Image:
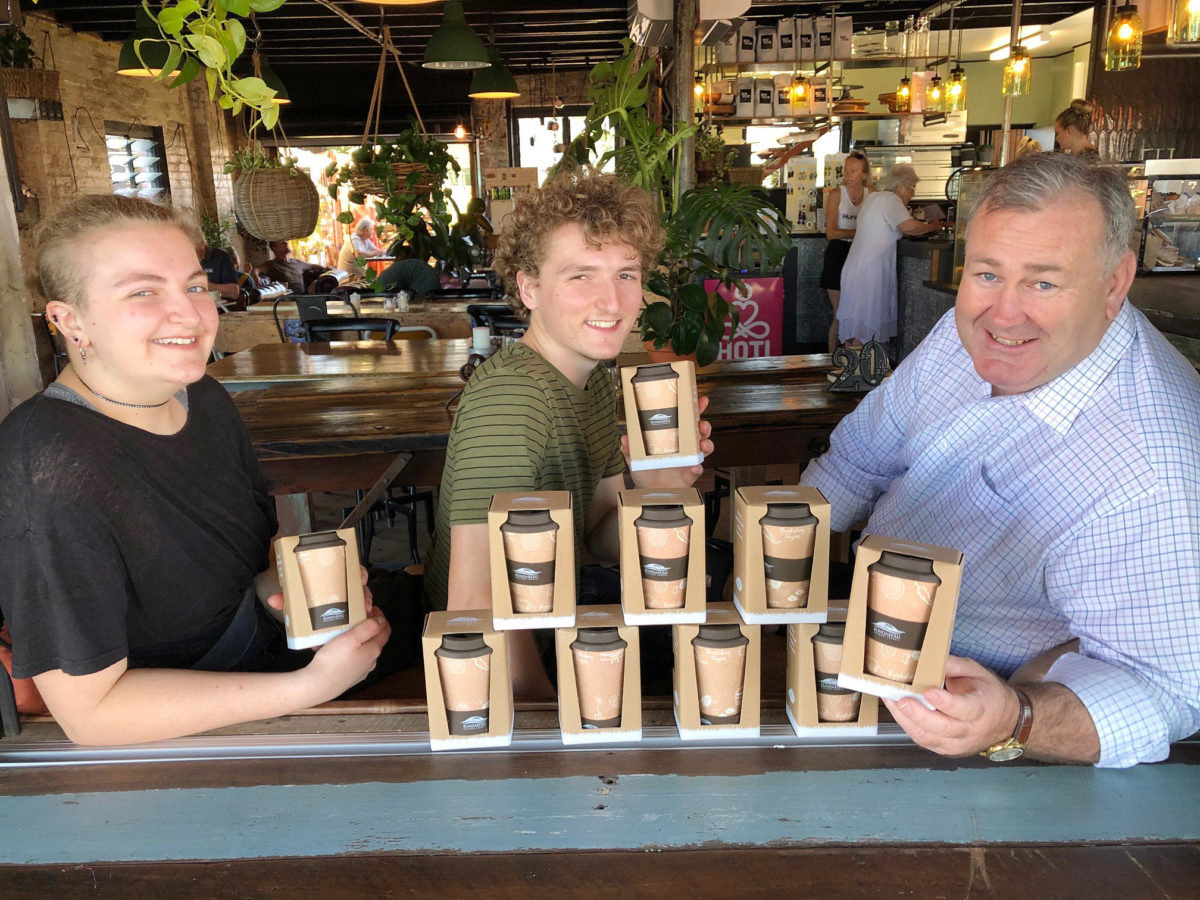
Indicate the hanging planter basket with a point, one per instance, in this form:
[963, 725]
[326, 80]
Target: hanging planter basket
[29, 84]
[276, 204]
[363, 183]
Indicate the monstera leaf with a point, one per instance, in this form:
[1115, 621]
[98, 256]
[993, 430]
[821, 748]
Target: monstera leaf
[735, 226]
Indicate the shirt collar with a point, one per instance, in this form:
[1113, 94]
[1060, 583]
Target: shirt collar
[1058, 402]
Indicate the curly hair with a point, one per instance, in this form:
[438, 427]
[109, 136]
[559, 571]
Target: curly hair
[607, 210]
[58, 238]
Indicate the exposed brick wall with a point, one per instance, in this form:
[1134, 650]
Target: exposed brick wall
[60, 160]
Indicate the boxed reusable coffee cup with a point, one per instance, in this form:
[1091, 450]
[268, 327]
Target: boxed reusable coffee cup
[780, 554]
[816, 705]
[468, 684]
[531, 541]
[662, 556]
[717, 682]
[599, 678]
[888, 650]
[322, 586]
[662, 411]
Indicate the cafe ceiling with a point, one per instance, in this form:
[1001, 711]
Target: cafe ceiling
[329, 64]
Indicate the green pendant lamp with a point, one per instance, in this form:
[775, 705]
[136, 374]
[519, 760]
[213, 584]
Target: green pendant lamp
[495, 82]
[154, 50]
[454, 45]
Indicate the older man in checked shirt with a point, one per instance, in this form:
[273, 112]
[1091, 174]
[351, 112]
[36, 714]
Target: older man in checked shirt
[1048, 431]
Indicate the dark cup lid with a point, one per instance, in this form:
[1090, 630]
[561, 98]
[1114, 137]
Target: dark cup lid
[916, 568]
[671, 513]
[655, 372]
[789, 513]
[832, 631]
[463, 641]
[318, 540]
[528, 520]
[727, 634]
[600, 638]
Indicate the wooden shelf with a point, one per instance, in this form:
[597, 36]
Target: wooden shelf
[786, 67]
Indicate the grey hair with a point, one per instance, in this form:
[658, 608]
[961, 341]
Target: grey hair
[899, 175]
[363, 224]
[1035, 181]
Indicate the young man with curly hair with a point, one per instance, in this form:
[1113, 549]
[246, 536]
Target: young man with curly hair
[541, 414]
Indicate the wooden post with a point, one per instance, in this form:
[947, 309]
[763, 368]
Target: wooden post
[682, 84]
[19, 377]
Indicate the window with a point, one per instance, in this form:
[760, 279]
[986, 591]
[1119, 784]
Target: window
[538, 146]
[137, 161]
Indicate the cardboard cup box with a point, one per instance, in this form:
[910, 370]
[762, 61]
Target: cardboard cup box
[687, 688]
[562, 612]
[633, 601]
[749, 573]
[801, 699]
[569, 720]
[500, 694]
[687, 421]
[935, 647]
[298, 620]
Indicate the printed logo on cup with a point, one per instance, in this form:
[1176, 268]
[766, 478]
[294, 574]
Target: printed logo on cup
[661, 419]
[653, 569]
[886, 631]
[474, 723]
[331, 616]
[524, 574]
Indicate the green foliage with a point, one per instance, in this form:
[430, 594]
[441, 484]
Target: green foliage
[713, 232]
[208, 36]
[217, 229]
[253, 156]
[713, 155]
[416, 204]
[16, 49]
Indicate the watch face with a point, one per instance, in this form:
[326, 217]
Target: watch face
[1005, 752]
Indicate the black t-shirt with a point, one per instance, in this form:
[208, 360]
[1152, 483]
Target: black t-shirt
[116, 543]
[219, 267]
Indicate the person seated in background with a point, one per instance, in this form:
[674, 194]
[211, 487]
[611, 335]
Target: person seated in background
[1046, 430]
[292, 273]
[541, 413]
[413, 275]
[135, 524]
[1028, 145]
[223, 276]
[360, 245]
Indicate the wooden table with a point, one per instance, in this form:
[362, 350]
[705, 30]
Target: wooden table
[338, 434]
[238, 331]
[265, 365]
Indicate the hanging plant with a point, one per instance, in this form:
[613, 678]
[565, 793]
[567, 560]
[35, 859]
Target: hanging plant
[273, 198]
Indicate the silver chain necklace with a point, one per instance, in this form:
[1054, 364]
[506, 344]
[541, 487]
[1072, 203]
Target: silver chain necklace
[122, 402]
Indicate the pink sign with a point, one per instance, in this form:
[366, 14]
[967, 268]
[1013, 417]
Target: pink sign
[760, 331]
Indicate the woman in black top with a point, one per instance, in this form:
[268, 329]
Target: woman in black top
[133, 516]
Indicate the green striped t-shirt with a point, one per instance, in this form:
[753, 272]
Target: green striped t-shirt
[522, 425]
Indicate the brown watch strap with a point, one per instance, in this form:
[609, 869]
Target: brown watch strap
[1024, 719]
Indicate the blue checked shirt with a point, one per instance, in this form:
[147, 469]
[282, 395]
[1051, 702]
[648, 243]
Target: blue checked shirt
[1076, 506]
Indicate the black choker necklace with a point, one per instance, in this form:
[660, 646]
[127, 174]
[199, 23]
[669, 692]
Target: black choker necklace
[121, 402]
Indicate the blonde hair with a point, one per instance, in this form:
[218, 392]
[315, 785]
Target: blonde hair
[607, 209]
[58, 238]
[1028, 145]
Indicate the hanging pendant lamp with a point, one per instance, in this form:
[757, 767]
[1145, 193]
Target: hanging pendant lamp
[1183, 30]
[1123, 50]
[1018, 72]
[495, 82]
[454, 45]
[147, 39]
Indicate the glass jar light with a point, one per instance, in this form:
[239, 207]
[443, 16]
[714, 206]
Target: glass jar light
[956, 90]
[1184, 28]
[1017, 73]
[1124, 48]
[935, 94]
[904, 95]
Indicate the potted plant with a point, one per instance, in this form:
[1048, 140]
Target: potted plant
[714, 232]
[714, 157]
[273, 198]
[408, 175]
[18, 77]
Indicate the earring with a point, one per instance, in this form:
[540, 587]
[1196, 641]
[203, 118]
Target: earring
[83, 355]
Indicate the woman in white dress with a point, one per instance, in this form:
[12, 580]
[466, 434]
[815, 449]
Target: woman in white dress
[868, 303]
[841, 217]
